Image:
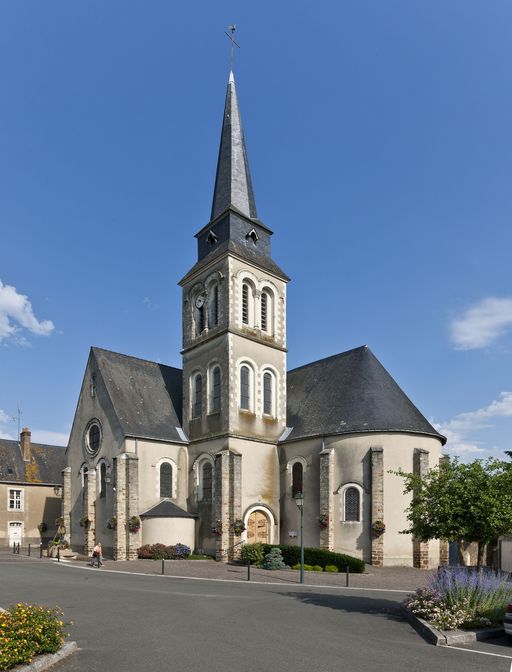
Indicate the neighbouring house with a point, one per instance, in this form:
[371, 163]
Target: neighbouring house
[30, 490]
[213, 454]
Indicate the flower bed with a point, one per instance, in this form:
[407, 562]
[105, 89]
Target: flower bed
[163, 552]
[462, 598]
[28, 630]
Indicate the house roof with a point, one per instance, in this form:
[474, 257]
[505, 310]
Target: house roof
[45, 466]
[146, 396]
[167, 509]
[350, 393]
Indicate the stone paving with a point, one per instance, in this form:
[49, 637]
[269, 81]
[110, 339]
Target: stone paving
[387, 578]
[376, 578]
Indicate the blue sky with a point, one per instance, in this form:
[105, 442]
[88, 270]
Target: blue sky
[380, 145]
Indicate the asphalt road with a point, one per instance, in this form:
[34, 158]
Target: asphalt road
[128, 622]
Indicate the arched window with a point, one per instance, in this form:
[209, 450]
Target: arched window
[215, 391]
[268, 393]
[199, 318]
[197, 396]
[85, 480]
[103, 480]
[213, 306]
[267, 311]
[352, 504]
[206, 481]
[297, 478]
[165, 480]
[245, 303]
[245, 388]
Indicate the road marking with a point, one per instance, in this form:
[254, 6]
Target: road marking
[482, 653]
[237, 581]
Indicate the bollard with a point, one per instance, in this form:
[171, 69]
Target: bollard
[14, 547]
[19, 544]
[58, 553]
[163, 566]
[29, 550]
[347, 574]
[41, 550]
[248, 571]
[98, 558]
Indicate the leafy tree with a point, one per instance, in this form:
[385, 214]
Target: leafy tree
[461, 501]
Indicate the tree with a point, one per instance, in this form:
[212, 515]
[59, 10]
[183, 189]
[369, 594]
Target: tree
[461, 501]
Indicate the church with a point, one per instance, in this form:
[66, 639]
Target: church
[212, 455]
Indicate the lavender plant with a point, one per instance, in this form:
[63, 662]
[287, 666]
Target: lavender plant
[462, 597]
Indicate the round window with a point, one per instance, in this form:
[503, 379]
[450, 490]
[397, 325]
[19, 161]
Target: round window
[92, 439]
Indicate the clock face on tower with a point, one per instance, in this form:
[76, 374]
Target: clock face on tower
[200, 301]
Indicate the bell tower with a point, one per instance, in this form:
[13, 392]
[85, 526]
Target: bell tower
[234, 350]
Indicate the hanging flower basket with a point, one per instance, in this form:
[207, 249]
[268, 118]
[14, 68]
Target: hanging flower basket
[84, 522]
[42, 527]
[378, 528]
[112, 523]
[217, 528]
[237, 526]
[133, 524]
[323, 521]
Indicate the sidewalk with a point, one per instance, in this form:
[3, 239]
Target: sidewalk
[384, 578]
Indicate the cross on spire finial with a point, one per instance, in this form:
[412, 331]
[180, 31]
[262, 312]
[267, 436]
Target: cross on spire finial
[234, 44]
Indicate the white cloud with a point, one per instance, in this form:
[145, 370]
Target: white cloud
[4, 420]
[482, 324]
[16, 314]
[149, 304]
[38, 435]
[460, 429]
[49, 437]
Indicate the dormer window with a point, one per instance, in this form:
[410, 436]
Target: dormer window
[211, 238]
[252, 235]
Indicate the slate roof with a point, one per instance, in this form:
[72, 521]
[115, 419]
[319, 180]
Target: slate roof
[350, 393]
[45, 466]
[233, 184]
[146, 396]
[167, 509]
[244, 252]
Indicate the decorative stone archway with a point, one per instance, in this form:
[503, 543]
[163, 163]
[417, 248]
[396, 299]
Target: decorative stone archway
[259, 522]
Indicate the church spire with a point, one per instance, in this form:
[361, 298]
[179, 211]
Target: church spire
[233, 185]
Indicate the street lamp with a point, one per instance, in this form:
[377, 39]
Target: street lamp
[299, 500]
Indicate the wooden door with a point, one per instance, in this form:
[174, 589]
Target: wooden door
[258, 528]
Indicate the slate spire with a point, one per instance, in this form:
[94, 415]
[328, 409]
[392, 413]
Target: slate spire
[233, 185]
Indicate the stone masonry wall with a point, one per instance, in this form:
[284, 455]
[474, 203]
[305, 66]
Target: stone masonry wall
[66, 502]
[228, 502]
[90, 512]
[326, 498]
[119, 550]
[377, 468]
[420, 548]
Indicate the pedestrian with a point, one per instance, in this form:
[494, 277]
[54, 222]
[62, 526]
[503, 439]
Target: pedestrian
[97, 556]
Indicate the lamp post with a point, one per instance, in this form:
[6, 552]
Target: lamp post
[299, 500]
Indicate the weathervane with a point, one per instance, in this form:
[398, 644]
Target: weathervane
[233, 43]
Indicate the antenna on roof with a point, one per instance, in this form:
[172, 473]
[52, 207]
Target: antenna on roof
[234, 44]
[17, 417]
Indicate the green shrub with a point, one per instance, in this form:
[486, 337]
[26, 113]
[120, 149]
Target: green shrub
[308, 568]
[28, 630]
[318, 556]
[331, 568]
[252, 553]
[274, 559]
[317, 568]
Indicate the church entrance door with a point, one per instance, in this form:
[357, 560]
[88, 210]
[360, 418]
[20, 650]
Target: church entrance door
[258, 528]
